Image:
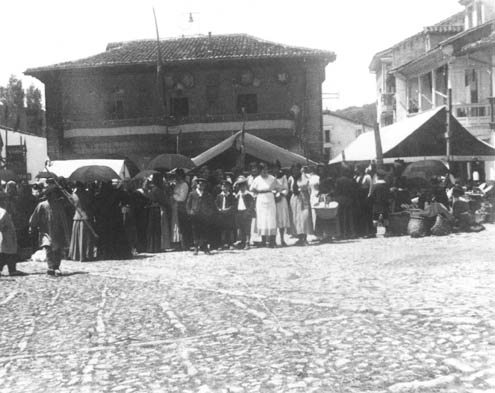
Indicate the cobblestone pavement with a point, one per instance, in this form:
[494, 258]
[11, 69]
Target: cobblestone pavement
[377, 315]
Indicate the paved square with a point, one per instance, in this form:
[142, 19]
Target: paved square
[377, 315]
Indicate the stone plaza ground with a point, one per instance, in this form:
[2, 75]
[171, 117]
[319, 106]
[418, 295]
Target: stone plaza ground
[375, 315]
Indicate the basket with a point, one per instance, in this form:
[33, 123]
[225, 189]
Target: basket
[441, 227]
[397, 223]
[418, 226]
[327, 211]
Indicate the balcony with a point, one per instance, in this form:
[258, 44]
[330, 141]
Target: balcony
[473, 115]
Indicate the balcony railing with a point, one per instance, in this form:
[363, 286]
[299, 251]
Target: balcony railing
[473, 115]
[172, 121]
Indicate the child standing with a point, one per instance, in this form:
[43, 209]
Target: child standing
[244, 211]
[225, 204]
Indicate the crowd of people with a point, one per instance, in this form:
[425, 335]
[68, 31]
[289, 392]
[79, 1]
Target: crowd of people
[212, 210]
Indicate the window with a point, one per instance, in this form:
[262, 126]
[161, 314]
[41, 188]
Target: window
[179, 107]
[471, 83]
[413, 95]
[117, 110]
[247, 101]
[469, 17]
[426, 91]
[479, 13]
[327, 136]
[441, 81]
[212, 93]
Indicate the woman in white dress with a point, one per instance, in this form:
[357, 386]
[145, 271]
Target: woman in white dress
[282, 205]
[300, 206]
[264, 187]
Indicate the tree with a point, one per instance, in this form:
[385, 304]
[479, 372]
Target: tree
[34, 110]
[12, 98]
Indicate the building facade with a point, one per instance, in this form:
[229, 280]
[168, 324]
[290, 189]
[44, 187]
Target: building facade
[451, 63]
[120, 104]
[339, 132]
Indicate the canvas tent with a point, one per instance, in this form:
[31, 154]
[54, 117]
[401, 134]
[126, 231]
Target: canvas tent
[254, 146]
[65, 168]
[417, 138]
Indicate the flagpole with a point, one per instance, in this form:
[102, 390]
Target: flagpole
[162, 111]
[243, 131]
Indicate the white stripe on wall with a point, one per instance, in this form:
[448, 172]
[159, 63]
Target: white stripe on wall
[184, 128]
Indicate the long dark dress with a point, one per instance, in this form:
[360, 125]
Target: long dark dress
[112, 242]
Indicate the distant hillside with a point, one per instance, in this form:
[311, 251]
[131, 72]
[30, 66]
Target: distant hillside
[362, 114]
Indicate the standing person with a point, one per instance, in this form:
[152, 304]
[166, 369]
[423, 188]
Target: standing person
[244, 211]
[254, 172]
[201, 207]
[364, 219]
[345, 194]
[300, 205]
[141, 207]
[50, 219]
[181, 226]
[158, 230]
[82, 242]
[264, 186]
[282, 205]
[109, 223]
[8, 242]
[380, 199]
[225, 203]
[314, 189]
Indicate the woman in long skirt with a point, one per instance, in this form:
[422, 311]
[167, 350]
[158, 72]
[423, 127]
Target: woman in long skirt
[158, 231]
[300, 206]
[82, 242]
[264, 187]
[282, 205]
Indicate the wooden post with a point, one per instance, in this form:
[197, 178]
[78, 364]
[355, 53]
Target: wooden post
[242, 162]
[378, 146]
[448, 125]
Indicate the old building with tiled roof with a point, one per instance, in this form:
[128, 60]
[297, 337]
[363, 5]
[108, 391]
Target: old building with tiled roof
[111, 104]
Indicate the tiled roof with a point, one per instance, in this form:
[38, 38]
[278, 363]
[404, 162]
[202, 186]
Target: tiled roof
[485, 42]
[189, 49]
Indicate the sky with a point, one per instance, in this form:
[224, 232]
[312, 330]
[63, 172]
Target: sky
[36, 33]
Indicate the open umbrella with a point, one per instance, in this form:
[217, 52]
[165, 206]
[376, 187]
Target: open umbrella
[171, 161]
[91, 173]
[46, 175]
[8, 175]
[425, 169]
[144, 174]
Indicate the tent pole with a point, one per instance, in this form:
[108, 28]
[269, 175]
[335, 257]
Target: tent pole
[378, 146]
[448, 124]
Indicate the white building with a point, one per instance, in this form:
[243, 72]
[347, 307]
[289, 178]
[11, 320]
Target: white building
[456, 57]
[339, 132]
[36, 149]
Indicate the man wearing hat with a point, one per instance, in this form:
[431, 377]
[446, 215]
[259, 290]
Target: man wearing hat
[243, 211]
[201, 208]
